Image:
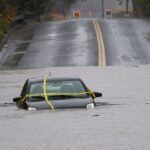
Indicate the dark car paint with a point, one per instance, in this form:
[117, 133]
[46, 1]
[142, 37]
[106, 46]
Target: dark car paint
[28, 82]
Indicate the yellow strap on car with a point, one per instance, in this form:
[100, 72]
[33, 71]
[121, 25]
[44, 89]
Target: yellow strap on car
[92, 93]
[45, 94]
[59, 94]
[56, 94]
[23, 99]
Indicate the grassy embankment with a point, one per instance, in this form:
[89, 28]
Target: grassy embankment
[142, 8]
[4, 26]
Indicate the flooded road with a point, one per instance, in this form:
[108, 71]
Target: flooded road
[120, 121]
[70, 48]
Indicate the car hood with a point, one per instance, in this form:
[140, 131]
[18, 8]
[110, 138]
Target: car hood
[60, 104]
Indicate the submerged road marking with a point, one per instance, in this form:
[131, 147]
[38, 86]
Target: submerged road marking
[100, 42]
[18, 53]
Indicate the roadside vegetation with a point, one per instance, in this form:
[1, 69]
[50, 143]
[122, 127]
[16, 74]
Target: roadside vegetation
[37, 10]
[41, 10]
[142, 7]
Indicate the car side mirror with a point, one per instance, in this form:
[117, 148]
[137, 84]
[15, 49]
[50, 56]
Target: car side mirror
[97, 94]
[16, 99]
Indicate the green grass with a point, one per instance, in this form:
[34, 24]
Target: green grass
[4, 26]
[1, 36]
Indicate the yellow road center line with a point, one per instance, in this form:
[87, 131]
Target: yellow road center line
[100, 42]
[101, 47]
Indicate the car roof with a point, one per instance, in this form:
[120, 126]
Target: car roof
[52, 78]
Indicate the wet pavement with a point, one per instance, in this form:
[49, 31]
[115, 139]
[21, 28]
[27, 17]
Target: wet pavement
[14, 48]
[126, 41]
[73, 43]
[58, 44]
[120, 121]
[68, 43]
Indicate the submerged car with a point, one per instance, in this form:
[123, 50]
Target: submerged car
[55, 93]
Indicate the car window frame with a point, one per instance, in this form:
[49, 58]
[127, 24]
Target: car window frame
[24, 89]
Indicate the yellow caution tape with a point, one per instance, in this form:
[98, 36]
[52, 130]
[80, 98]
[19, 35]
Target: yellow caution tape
[45, 94]
[92, 93]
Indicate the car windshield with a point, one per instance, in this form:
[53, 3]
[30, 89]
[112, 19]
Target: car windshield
[63, 89]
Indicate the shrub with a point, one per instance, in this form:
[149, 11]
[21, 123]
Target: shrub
[4, 26]
[1, 36]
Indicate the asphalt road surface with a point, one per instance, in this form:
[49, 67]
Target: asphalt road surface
[127, 41]
[65, 43]
[74, 42]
